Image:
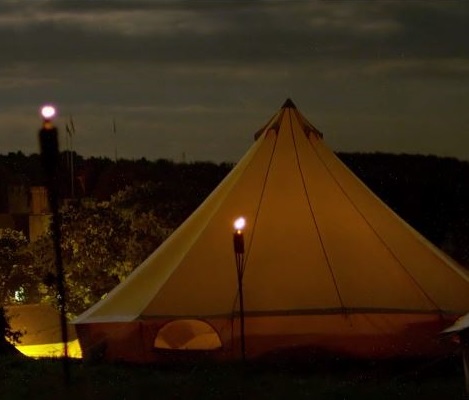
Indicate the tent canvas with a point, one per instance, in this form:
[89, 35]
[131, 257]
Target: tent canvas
[461, 324]
[328, 265]
[42, 335]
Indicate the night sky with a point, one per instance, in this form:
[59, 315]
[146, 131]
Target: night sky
[195, 80]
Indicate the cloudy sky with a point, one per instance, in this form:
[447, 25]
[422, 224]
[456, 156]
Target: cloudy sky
[196, 79]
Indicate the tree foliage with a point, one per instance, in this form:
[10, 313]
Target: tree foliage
[102, 242]
[17, 276]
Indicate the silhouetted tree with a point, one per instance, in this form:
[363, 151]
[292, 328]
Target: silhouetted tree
[8, 336]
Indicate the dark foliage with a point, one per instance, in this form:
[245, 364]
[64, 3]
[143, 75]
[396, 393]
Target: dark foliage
[8, 336]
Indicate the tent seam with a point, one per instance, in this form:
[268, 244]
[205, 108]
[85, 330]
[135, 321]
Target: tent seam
[311, 210]
[251, 238]
[412, 278]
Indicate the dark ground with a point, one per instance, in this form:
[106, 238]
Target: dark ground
[331, 379]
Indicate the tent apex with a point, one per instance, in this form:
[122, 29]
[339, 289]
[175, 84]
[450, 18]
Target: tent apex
[289, 104]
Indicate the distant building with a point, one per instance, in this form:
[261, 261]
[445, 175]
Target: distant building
[27, 210]
[40, 215]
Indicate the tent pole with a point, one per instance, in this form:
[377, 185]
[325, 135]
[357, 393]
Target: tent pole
[465, 358]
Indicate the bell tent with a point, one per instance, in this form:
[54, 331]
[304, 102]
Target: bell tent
[327, 266]
[41, 332]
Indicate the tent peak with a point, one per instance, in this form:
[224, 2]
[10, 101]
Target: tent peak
[289, 104]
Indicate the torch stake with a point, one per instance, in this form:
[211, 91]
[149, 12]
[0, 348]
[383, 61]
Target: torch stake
[238, 244]
[48, 138]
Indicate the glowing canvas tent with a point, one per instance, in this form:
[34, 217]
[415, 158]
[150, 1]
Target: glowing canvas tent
[42, 335]
[327, 266]
[461, 324]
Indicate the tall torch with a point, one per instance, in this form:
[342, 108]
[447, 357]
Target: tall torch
[49, 144]
[238, 243]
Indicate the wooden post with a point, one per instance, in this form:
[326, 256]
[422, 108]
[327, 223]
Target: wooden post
[464, 338]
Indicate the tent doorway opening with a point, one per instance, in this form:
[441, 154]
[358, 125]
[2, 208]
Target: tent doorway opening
[188, 334]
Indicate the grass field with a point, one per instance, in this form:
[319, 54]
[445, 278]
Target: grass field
[22, 378]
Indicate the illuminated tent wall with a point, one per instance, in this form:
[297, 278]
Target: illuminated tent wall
[327, 266]
[42, 334]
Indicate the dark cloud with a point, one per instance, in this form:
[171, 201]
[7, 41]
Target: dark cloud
[196, 75]
[269, 32]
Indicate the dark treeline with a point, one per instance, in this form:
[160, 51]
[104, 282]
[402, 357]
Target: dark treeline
[176, 188]
[431, 193]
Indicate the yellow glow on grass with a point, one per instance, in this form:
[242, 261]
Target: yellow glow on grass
[51, 350]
